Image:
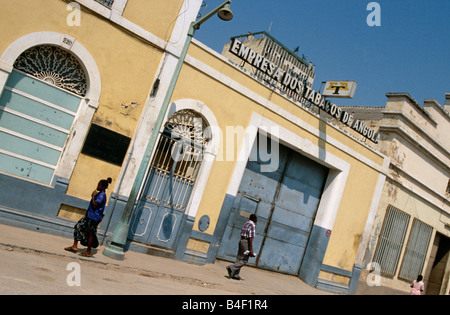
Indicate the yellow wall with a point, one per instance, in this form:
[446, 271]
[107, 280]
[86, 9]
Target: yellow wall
[234, 109]
[158, 17]
[351, 218]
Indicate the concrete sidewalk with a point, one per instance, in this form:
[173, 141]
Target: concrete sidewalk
[211, 278]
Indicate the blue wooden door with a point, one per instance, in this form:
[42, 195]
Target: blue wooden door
[255, 195]
[285, 202]
[35, 121]
[166, 193]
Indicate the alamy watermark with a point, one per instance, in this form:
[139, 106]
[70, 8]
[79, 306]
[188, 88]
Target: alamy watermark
[74, 277]
[374, 17]
[74, 17]
[237, 144]
[374, 277]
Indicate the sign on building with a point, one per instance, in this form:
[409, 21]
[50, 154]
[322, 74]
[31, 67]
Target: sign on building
[303, 92]
[340, 89]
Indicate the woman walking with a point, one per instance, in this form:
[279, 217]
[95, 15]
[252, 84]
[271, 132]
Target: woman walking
[86, 229]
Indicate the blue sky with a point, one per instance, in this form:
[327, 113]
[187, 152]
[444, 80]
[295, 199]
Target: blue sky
[409, 52]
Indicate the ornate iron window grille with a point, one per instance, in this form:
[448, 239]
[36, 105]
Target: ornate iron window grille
[178, 159]
[55, 66]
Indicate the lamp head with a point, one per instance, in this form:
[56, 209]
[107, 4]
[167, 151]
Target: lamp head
[225, 13]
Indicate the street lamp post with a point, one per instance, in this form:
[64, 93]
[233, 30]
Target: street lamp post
[115, 249]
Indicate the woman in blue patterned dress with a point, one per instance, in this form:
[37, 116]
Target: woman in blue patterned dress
[85, 231]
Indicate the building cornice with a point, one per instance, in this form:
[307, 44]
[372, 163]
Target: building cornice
[417, 106]
[405, 135]
[438, 106]
[412, 124]
[412, 179]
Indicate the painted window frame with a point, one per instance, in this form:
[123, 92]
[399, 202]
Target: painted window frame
[105, 3]
[115, 10]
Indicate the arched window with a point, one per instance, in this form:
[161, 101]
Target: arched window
[171, 179]
[179, 155]
[54, 66]
[38, 106]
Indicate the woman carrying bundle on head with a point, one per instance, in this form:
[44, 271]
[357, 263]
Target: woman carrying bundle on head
[86, 229]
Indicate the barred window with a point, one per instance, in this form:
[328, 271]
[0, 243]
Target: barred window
[416, 250]
[391, 240]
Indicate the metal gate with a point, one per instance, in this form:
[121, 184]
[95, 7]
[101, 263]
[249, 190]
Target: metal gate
[285, 202]
[169, 183]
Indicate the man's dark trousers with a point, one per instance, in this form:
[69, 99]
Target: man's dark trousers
[241, 259]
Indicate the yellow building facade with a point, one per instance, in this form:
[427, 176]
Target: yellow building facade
[230, 145]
